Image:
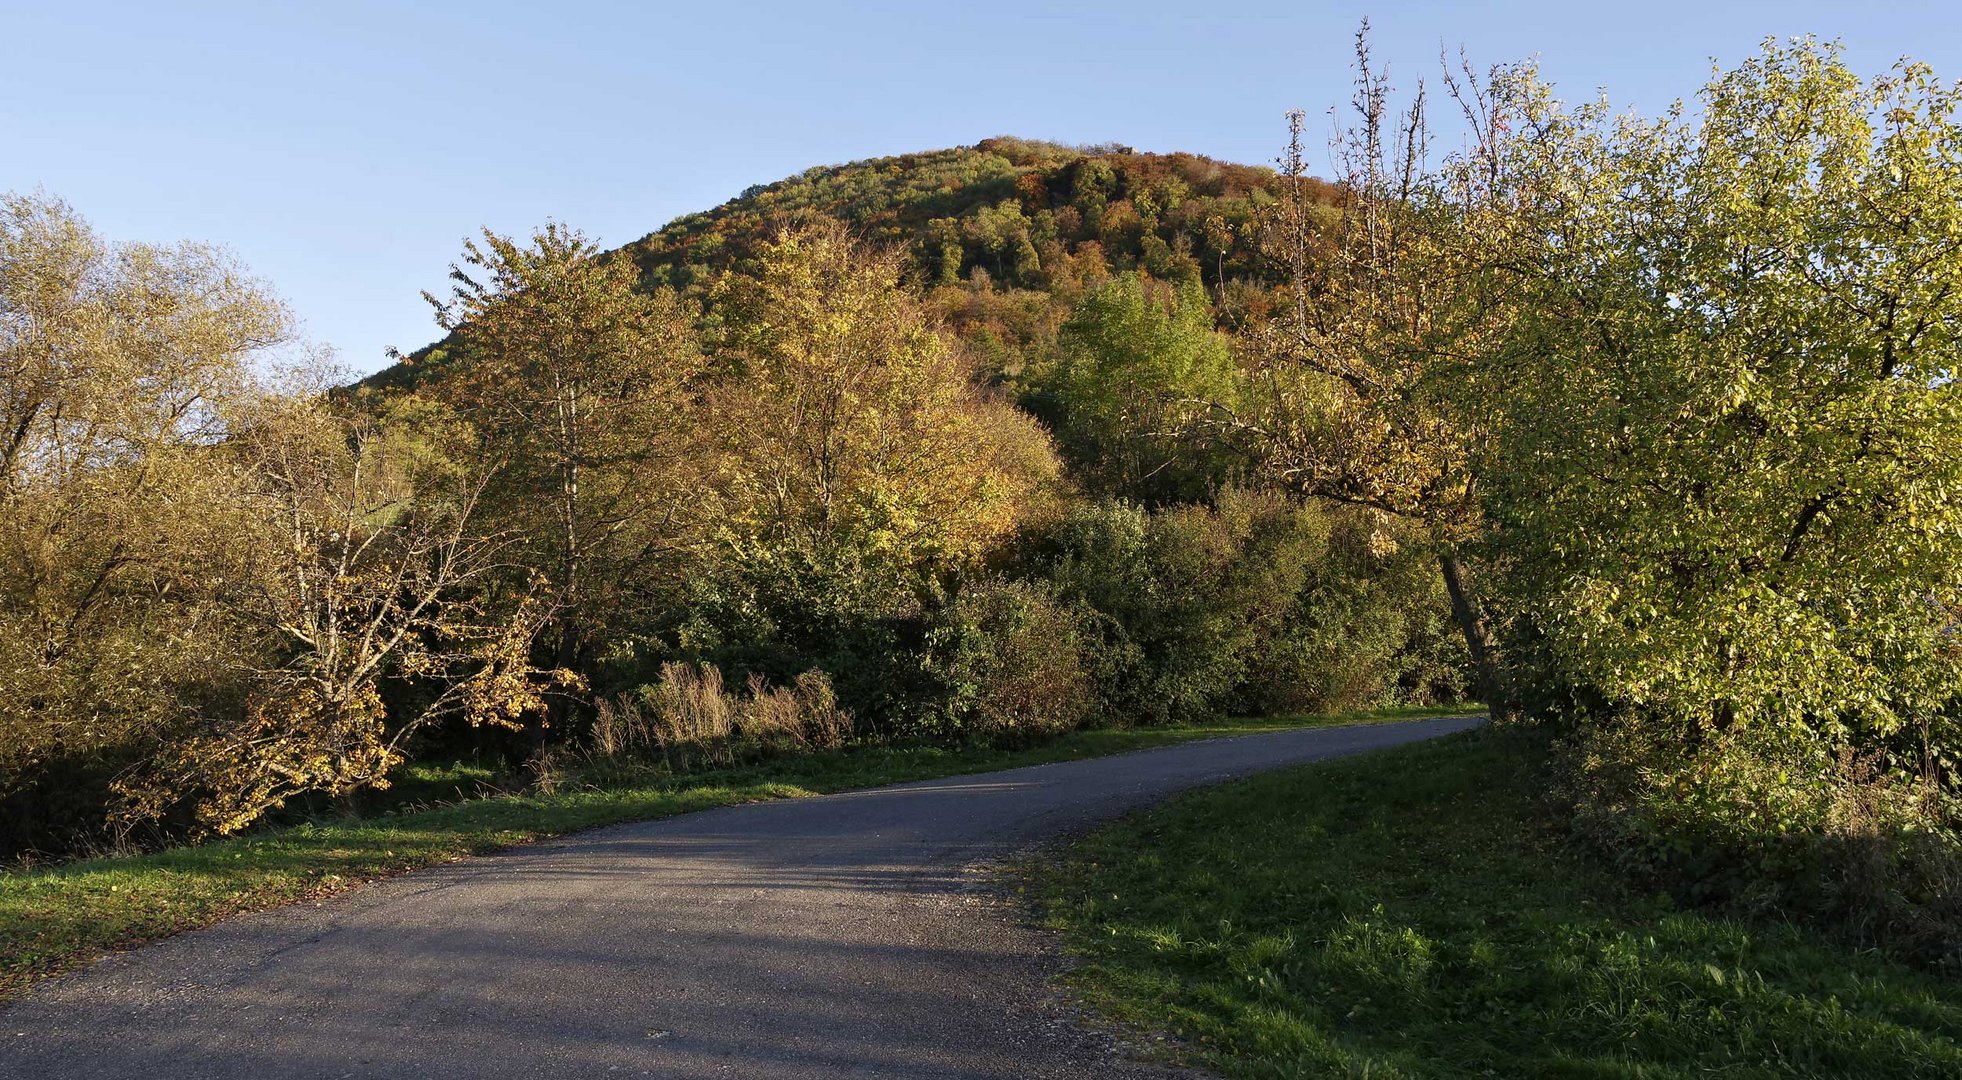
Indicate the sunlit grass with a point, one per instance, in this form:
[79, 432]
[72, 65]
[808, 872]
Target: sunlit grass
[1415, 913]
[57, 918]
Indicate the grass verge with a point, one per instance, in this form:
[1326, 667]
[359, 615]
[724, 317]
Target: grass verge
[1414, 913]
[58, 918]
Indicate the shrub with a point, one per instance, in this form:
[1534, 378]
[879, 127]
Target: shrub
[1762, 824]
[1255, 603]
[1168, 602]
[785, 608]
[56, 807]
[1368, 626]
[1004, 659]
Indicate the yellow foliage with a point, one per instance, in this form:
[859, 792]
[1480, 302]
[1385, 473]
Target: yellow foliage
[849, 414]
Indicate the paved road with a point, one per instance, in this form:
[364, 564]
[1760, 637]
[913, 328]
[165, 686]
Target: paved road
[843, 936]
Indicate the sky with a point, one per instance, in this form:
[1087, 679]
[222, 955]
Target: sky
[343, 150]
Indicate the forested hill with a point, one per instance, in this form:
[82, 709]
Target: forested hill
[999, 231]
[1022, 213]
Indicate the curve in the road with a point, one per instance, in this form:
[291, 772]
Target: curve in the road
[840, 936]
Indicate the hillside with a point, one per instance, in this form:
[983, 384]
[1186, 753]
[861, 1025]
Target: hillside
[1023, 213]
[1002, 233]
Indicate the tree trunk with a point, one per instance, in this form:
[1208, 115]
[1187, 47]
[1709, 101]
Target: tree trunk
[560, 710]
[1478, 641]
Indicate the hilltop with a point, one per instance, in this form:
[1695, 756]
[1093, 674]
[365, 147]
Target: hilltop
[1002, 234]
[1023, 213]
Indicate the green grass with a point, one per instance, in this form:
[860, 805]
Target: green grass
[1414, 913]
[57, 918]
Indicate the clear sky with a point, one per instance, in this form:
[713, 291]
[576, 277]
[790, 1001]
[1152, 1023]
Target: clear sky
[344, 148]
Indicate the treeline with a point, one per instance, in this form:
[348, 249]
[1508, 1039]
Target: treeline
[621, 525]
[1001, 237]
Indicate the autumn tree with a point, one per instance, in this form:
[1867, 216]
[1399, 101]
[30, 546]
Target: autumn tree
[355, 560]
[1359, 393]
[580, 385]
[848, 418]
[118, 365]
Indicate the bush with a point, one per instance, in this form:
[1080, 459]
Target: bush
[779, 610]
[56, 807]
[1167, 600]
[1257, 603]
[1004, 659]
[1369, 626]
[1766, 825]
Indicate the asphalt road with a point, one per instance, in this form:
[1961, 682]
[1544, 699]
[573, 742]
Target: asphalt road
[850, 935]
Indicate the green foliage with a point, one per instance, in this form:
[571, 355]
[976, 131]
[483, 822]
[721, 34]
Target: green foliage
[988, 203]
[1732, 440]
[1368, 624]
[1137, 370]
[1721, 456]
[1416, 913]
[1003, 660]
[1676, 403]
[1110, 612]
[1788, 828]
[1255, 602]
[782, 608]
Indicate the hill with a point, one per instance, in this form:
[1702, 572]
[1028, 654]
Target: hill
[1022, 213]
[1002, 233]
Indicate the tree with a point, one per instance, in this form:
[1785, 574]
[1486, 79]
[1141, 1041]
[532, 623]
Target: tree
[1137, 365]
[119, 366]
[951, 249]
[1217, 233]
[848, 418]
[1729, 468]
[581, 387]
[1003, 231]
[1093, 184]
[1360, 388]
[356, 562]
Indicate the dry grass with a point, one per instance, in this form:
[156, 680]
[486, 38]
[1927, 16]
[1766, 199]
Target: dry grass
[690, 718]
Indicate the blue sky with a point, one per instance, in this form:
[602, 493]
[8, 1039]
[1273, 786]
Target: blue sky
[343, 150]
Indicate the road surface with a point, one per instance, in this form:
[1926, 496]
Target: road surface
[849, 935]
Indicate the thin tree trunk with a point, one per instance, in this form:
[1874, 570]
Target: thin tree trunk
[1471, 623]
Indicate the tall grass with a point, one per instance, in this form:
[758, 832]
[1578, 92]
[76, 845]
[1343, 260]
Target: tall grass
[689, 719]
